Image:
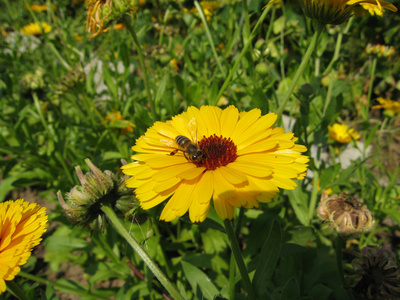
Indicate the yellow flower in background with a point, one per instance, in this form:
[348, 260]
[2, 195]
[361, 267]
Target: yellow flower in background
[119, 26]
[118, 121]
[234, 158]
[391, 107]
[342, 134]
[21, 226]
[34, 29]
[338, 11]
[380, 50]
[38, 8]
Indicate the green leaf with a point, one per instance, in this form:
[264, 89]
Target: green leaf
[291, 291]
[393, 213]
[199, 280]
[110, 81]
[298, 200]
[268, 259]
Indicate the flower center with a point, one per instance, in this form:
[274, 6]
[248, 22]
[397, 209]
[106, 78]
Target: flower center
[217, 151]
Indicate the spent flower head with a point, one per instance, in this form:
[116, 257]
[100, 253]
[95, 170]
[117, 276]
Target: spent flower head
[342, 133]
[101, 12]
[377, 274]
[34, 29]
[21, 226]
[338, 11]
[346, 214]
[237, 159]
[97, 189]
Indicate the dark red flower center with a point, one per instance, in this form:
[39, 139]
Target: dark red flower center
[217, 151]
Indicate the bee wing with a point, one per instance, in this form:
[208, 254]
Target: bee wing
[192, 125]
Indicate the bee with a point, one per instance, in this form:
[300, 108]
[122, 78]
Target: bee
[191, 150]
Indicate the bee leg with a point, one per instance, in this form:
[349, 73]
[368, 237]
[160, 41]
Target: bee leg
[174, 152]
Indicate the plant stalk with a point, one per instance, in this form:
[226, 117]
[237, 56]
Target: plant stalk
[239, 259]
[119, 226]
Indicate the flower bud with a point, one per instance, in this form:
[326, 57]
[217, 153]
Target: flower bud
[97, 189]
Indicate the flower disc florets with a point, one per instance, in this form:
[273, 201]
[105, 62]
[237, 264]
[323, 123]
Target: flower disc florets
[348, 215]
[217, 152]
[96, 189]
[235, 159]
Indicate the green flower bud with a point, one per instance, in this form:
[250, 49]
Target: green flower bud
[262, 69]
[97, 188]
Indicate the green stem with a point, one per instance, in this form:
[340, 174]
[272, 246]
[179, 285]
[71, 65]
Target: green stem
[313, 200]
[16, 290]
[59, 286]
[338, 46]
[119, 226]
[365, 109]
[166, 16]
[329, 93]
[300, 70]
[232, 274]
[239, 259]
[340, 243]
[209, 37]
[245, 47]
[128, 24]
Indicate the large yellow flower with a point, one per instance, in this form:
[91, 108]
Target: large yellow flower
[21, 227]
[338, 11]
[342, 134]
[243, 159]
[34, 29]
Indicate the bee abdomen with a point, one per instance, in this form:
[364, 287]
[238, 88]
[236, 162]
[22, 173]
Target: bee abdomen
[182, 140]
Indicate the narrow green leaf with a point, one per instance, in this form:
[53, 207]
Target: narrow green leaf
[268, 258]
[198, 279]
[291, 291]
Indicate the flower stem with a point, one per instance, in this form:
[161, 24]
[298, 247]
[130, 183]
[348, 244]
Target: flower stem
[365, 109]
[239, 259]
[300, 70]
[128, 24]
[340, 243]
[141, 252]
[209, 37]
[314, 194]
[244, 50]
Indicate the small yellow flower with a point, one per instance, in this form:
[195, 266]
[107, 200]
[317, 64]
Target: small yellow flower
[115, 118]
[38, 8]
[34, 29]
[237, 159]
[21, 226]
[119, 26]
[174, 64]
[380, 50]
[342, 134]
[391, 107]
[338, 11]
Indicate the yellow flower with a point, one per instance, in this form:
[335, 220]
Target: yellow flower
[342, 134]
[38, 8]
[34, 29]
[119, 26]
[240, 158]
[380, 50]
[338, 11]
[116, 119]
[21, 226]
[391, 107]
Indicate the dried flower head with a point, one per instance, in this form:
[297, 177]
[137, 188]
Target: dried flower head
[346, 214]
[377, 274]
[101, 12]
[338, 11]
[21, 226]
[341, 133]
[97, 188]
